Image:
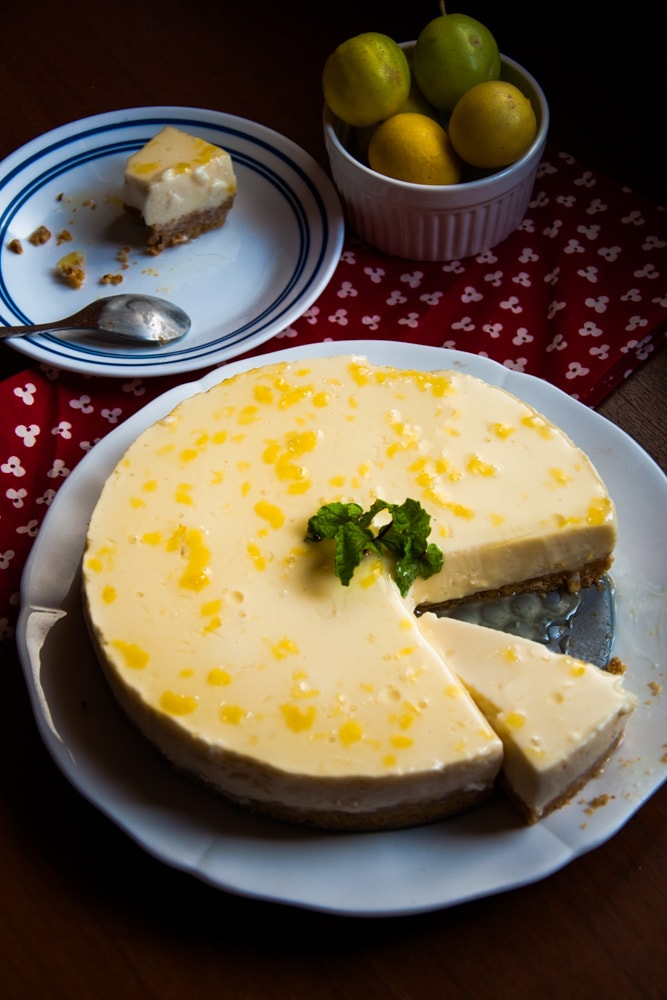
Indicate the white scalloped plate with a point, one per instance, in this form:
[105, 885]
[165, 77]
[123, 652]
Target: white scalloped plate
[485, 851]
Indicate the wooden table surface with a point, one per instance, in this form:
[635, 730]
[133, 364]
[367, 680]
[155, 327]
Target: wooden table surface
[85, 913]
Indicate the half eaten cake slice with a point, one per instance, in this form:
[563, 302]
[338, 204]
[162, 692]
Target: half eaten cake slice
[180, 185]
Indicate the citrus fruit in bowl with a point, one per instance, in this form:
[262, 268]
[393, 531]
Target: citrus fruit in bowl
[437, 222]
[366, 79]
[453, 53]
[492, 125]
[415, 148]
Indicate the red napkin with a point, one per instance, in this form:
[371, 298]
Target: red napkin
[577, 295]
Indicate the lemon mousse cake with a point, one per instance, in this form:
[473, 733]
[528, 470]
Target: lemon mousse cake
[558, 717]
[180, 185]
[230, 641]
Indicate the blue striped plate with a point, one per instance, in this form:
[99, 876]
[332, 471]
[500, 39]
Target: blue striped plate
[241, 284]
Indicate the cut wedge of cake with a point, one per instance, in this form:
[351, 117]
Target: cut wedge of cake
[559, 718]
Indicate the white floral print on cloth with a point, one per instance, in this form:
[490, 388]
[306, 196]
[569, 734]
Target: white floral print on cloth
[577, 295]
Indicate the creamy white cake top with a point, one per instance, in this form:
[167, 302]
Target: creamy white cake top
[556, 715]
[214, 612]
[175, 174]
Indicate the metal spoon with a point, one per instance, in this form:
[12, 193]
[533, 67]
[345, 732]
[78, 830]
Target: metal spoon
[143, 319]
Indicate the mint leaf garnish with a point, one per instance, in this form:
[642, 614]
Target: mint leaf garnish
[404, 537]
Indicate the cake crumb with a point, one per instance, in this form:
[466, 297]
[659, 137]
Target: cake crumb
[597, 803]
[124, 257]
[655, 688]
[111, 279]
[40, 236]
[71, 269]
[15, 246]
[616, 666]
[64, 236]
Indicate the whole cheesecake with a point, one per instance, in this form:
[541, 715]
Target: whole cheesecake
[229, 640]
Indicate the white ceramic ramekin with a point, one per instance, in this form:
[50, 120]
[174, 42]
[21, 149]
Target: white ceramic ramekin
[437, 222]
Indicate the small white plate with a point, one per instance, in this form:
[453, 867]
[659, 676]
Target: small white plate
[481, 852]
[241, 284]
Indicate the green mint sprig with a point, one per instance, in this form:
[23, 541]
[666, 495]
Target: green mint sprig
[404, 537]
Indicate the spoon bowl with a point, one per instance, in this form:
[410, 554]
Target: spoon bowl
[142, 319]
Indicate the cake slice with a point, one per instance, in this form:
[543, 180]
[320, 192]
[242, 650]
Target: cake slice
[559, 718]
[180, 185]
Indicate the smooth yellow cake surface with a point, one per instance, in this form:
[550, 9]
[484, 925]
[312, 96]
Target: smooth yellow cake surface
[231, 643]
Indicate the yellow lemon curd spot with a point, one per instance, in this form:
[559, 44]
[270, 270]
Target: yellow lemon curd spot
[213, 623]
[109, 594]
[496, 519]
[263, 394]
[321, 399]
[564, 522]
[359, 373]
[218, 677]
[270, 512]
[177, 704]
[437, 385]
[460, 511]
[478, 467]
[515, 720]
[151, 537]
[297, 718]
[350, 732]
[406, 651]
[219, 437]
[407, 624]
[186, 672]
[510, 654]
[337, 481]
[211, 607]
[248, 415]
[452, 691]
[599, 511]
[560, 477]
[232, 714]
[195, 576]
[405, 720]
[150, 486]
[283, 648]
[103, 559]
[389, 760]
[133, 655]
[400, 741]
[137, 502]
[372, 574]
[577, 670]
[257, 556]
[537, 423]
[245, 488]
[182, 494]
[188, 454]
[502, 431]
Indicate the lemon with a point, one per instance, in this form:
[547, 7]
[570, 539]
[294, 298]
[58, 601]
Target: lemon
[453, 52]
[366, 79]
[415, 148]
[492, 125]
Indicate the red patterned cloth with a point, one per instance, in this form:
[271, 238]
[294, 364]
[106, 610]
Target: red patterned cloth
[577, 295]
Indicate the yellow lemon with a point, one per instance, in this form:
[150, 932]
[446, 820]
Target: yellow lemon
[414, 148]
[366, 79]
[492, 125]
